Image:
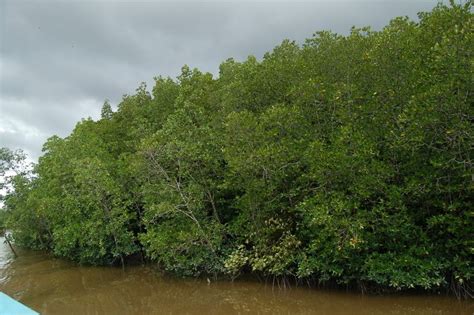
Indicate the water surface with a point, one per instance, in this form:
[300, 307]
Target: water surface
[55, 286]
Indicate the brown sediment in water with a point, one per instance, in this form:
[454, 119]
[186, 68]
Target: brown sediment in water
[54, 286]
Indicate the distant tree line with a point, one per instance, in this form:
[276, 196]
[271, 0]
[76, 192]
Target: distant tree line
[347, 159]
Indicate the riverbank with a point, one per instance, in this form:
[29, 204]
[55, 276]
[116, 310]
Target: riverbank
[55, 286]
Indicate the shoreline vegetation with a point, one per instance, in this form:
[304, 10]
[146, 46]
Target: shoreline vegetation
[346, 160]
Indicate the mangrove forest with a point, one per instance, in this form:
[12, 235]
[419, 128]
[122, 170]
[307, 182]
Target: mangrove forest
[344, 160]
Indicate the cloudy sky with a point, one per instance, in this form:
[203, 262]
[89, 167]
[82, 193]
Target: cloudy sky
[59, 60]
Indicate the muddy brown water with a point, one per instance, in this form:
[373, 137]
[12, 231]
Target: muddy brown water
[54, 286]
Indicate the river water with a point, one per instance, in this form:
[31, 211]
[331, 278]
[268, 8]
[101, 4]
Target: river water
[54, 286]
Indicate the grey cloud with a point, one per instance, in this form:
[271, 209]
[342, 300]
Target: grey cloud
[59, 60]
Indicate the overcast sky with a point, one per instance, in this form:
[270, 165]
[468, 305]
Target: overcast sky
[59, 60]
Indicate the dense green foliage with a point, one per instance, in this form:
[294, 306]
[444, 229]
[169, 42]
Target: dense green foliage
[346, 159]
